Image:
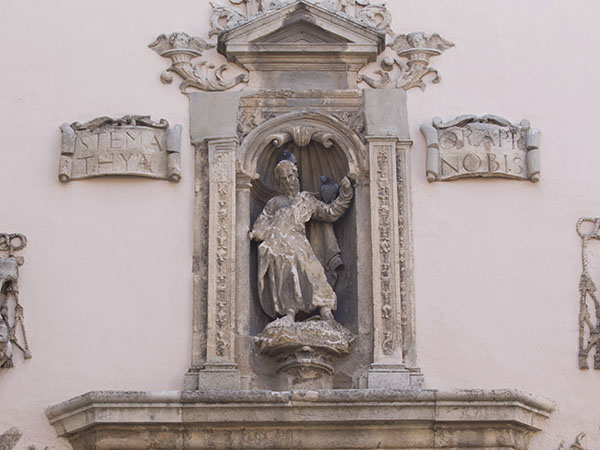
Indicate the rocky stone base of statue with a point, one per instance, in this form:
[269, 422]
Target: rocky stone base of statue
[305, 351]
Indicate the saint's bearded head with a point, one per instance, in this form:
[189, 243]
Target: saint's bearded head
[286, 175]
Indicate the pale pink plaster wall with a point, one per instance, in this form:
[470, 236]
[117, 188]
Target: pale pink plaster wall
[107, 279]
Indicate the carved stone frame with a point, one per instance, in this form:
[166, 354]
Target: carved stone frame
[225, 168]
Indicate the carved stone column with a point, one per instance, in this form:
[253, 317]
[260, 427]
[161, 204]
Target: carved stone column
[243, 294]
[393, 318]
[221, 266]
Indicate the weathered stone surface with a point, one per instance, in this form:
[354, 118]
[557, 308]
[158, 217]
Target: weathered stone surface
[132, 145]
[327, 129]
[488, 146]
[12, 317]
[225, 17]
[213, 115]
[302, 45]
[335, 419]
[386, 113]
[345, 106]
[10, 438]
[291, 279]
[305, 351]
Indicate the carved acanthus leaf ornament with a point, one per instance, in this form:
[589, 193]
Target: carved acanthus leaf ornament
[182, 48]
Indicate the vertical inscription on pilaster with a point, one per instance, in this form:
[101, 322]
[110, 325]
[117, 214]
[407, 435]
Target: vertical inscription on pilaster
[388, 339]
[402, 248]
[383, 210]
[221, 273]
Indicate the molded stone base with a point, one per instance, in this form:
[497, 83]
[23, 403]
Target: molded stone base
[305, 351]
[385, 376]
[333, 419]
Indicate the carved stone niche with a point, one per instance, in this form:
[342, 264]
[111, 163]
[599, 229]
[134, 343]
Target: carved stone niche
[234, 181]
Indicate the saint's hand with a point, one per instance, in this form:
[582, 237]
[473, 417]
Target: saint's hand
[345, 188]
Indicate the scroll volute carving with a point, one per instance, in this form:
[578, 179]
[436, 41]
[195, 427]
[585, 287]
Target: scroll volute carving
[302, 136]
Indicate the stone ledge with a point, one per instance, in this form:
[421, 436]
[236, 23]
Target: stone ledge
[334, 419]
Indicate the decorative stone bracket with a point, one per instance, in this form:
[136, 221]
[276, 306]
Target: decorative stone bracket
[10, 322]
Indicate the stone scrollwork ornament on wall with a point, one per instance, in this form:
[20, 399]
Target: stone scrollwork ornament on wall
[182, 48]
[417, 48]
[578, 445]
[404, 67]
[11, 310]
[588, 229]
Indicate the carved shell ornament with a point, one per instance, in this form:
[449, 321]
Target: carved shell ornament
[404, 65]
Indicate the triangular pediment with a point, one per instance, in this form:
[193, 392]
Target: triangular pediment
[301, 32]
[302, 23]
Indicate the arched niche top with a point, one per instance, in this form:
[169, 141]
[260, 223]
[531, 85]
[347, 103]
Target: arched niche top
[302, 128]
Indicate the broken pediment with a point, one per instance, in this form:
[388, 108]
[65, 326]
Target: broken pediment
[302, 38]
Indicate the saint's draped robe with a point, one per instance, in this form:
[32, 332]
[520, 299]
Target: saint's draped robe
[290, 276]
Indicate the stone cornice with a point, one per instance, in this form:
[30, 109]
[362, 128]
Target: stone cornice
[88, 419]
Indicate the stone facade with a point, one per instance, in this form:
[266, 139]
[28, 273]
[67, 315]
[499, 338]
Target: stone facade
[484, 270]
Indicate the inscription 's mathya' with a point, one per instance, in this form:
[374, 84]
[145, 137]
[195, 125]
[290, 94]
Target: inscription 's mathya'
[487, 146]
[132, 145]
